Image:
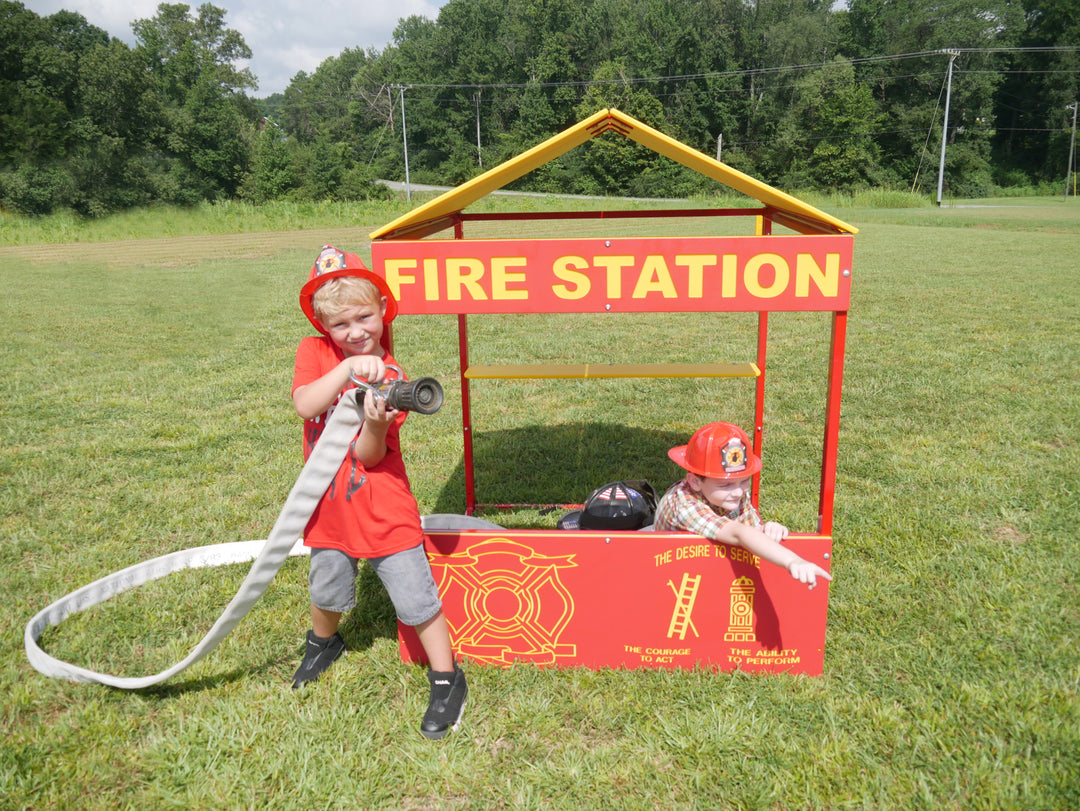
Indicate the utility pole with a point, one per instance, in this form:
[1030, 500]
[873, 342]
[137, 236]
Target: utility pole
[952, 54]
[405, 143]
[1072, 149]
[479, 152]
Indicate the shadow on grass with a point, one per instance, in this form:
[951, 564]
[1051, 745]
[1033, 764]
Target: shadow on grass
[180, 688]
[560, 464]
[373, 615]
[372, 618]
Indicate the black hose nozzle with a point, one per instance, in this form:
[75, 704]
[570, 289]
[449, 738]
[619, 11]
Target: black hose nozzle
[423, 395]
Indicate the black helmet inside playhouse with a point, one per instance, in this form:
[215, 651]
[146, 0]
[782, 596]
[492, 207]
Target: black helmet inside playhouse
[622, 505]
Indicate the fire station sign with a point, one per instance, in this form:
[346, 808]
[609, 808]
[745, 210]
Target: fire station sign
[676, 274]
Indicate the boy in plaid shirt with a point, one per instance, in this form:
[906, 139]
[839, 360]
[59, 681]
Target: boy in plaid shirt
[714, 499]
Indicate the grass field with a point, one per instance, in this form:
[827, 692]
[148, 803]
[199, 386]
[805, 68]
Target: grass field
[145, 410]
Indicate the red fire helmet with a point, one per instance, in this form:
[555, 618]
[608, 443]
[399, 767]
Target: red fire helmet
[718, 450]
[332, 264]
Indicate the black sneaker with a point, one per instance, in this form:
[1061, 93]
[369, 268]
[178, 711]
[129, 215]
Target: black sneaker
[447, 703]
[319, 655]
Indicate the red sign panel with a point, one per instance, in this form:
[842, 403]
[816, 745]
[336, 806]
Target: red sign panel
[678, 274]
[625, 600]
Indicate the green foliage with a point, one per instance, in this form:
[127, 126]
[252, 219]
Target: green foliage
[1039, 151]
[37, 83]
[121, 126]
[181, 49]
[273, 174]
[611, 161]
[798, 93]
[969, 173]
[35, 189]
[206, 128]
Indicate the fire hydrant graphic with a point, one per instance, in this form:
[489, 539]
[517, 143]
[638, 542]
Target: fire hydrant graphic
[741, 611]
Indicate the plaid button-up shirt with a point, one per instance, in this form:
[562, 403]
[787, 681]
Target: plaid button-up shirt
[684, 509]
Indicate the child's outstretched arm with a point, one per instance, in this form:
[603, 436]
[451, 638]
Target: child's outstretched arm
[756, 541]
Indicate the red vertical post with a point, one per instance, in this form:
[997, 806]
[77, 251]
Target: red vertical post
[832, 423]
[466, 414]
[466, 403]
[759, 401]
[764, 228]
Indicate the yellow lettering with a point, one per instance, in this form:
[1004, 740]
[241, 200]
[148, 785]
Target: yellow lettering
[395, 277]
[695, 270]
[614, 266]
[688, 552]
[729, 276]
[654, 277]
[737, 553]
[501, 277]
[431, 279]
[464, 274]
[579, 283]
[807, 269]
[752, 275]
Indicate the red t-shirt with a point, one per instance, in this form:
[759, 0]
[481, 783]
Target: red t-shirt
[366, 513]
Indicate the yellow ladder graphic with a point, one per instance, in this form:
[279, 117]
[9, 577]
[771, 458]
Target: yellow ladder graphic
[685, 596]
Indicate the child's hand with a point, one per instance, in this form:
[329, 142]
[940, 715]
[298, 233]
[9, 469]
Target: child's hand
[776, 532]
[367, 367]
[806, 572]
[377, 411]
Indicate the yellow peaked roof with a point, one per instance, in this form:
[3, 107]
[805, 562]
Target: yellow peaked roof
[437, 214]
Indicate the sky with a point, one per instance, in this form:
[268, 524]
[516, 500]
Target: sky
[285, 36]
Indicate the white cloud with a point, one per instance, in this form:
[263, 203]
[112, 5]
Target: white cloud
[285, 36]
[115, 17]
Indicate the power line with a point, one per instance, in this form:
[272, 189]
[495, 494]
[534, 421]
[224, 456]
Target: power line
[684, 77]
[494, 98]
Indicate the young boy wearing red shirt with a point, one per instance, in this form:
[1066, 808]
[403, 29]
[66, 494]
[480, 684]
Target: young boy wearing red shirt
[368, 512]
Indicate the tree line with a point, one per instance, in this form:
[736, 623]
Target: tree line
[803, 94]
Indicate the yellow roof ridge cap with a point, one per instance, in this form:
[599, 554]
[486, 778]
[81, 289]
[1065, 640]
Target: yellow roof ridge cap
[452, 202]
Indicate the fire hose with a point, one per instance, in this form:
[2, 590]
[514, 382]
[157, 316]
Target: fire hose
[269, 555]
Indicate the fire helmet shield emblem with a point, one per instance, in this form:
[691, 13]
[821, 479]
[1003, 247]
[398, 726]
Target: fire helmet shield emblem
[733, 456]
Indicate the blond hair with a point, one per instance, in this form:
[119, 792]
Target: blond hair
[345, 291]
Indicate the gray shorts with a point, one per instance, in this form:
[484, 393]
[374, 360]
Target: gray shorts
[405, 575]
